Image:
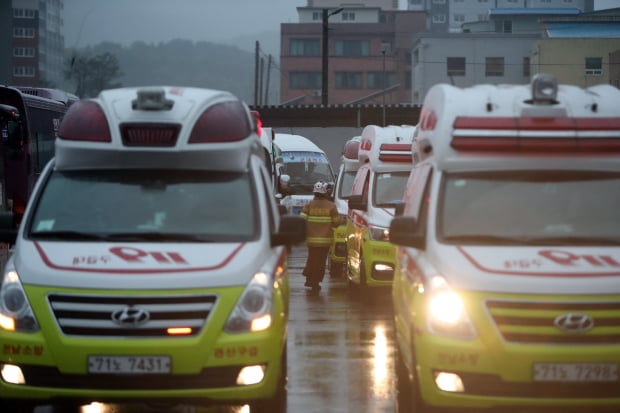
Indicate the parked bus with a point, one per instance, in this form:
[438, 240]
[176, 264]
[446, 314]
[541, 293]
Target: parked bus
[29, 120]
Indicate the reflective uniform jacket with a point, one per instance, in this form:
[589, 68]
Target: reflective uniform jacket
[322, 216]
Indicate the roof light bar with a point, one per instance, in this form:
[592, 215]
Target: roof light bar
[544, 88]
[536, 134]
[152, 99]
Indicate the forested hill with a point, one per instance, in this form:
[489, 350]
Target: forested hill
[183, 63]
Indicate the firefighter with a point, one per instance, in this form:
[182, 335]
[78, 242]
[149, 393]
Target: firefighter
[322, 217]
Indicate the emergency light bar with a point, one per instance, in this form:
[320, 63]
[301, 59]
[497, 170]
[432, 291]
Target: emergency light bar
[351, 149]
[536, 134]
[395, 152]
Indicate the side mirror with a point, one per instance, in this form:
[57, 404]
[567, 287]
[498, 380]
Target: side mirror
[405, 231]
[8, 228]
[356, 202]
[399, 207]
[292, 231]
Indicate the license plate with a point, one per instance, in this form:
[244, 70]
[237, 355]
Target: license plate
[129, 364]
[575, 372]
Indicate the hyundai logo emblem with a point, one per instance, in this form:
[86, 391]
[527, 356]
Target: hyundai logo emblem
[574, 323]
[131, 316]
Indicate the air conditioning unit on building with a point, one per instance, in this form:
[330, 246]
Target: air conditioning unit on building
[317, 92]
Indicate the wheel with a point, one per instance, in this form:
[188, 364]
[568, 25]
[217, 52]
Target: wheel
[277, 403]
[408, 398]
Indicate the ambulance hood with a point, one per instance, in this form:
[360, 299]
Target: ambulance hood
[530, 270]
[99, 265]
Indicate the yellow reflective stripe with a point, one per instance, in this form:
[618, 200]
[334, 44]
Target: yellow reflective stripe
[318, 240]
[319, 219]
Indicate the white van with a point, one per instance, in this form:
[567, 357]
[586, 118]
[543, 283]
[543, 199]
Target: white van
[349, 165]
[150, 265]
[385, 160]
[300, 164]
[507, 287]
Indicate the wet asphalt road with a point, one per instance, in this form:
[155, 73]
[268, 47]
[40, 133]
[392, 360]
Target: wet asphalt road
[340, 352]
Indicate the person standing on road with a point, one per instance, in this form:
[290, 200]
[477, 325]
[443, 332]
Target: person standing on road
[322, 217]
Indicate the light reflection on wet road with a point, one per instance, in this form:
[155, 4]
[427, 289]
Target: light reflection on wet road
[340, 352]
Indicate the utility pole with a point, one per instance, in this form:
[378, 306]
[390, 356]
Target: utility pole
[256, 74]
[324, 51]
[266, 94]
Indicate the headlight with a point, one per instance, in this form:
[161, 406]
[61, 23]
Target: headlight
[15, 311]
[378, 233]
[446, 311]
[253, 311]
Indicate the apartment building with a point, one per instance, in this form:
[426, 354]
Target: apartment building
[368, 54]
[449, 15]
[34, 42]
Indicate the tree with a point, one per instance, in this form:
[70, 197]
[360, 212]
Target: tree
[93, 73]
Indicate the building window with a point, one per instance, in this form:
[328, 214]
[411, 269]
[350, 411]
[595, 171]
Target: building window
[483, 1]
[24, 71]
[24, 13]
[305, 80]
[439, 1]
[352, 48]
[348, 80]
[305, 47]
[459, 18]
[386, 47]
[380, 80]
[483, 17]
[408, 79]
[494, 66]
[568, 1]
[439, 18]
[503, 26]
[348, 16]
[416, 57]
[23, 52]
[526, 66]
[27, 32]
[415, 1]
[455, 66]
[594, 66]
[317, 16]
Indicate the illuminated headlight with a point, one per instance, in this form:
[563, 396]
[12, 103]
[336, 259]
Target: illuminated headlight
[378, 233]
[446, 311]
[15, 311]
[253, 311]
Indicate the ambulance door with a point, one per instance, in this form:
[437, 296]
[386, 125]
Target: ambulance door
[357, 219]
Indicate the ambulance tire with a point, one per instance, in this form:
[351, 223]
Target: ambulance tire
[67, 408]
[362, 271]
[277, 403]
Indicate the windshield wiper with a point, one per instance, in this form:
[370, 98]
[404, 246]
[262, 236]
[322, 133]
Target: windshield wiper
[547, 241]
[68, 235]
[158, 236]
[125, 236]
[489, 240]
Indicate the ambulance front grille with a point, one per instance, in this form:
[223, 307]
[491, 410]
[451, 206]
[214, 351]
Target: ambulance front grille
[551, 322]
[131, 316]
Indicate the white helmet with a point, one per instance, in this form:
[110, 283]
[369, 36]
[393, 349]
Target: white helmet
[321, 187]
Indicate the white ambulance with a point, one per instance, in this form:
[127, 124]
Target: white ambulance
[150, 265]
[385, 160]
[507, 288]
[349, 164]
[299, 165]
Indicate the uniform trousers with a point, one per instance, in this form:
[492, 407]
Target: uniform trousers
[315, 264]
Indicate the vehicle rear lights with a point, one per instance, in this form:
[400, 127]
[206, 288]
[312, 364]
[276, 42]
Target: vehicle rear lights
[156, 134]
[258, 123]
[85, 121]
[12, 374]
[449, 382]
[222, 122]
[251, 375]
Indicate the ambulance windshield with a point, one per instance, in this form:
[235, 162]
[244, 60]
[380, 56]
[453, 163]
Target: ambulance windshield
[305, 169]
[389, 188]
[530, 208]
[153, 205]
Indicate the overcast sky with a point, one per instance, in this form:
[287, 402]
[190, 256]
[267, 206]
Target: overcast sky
[88, 22]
